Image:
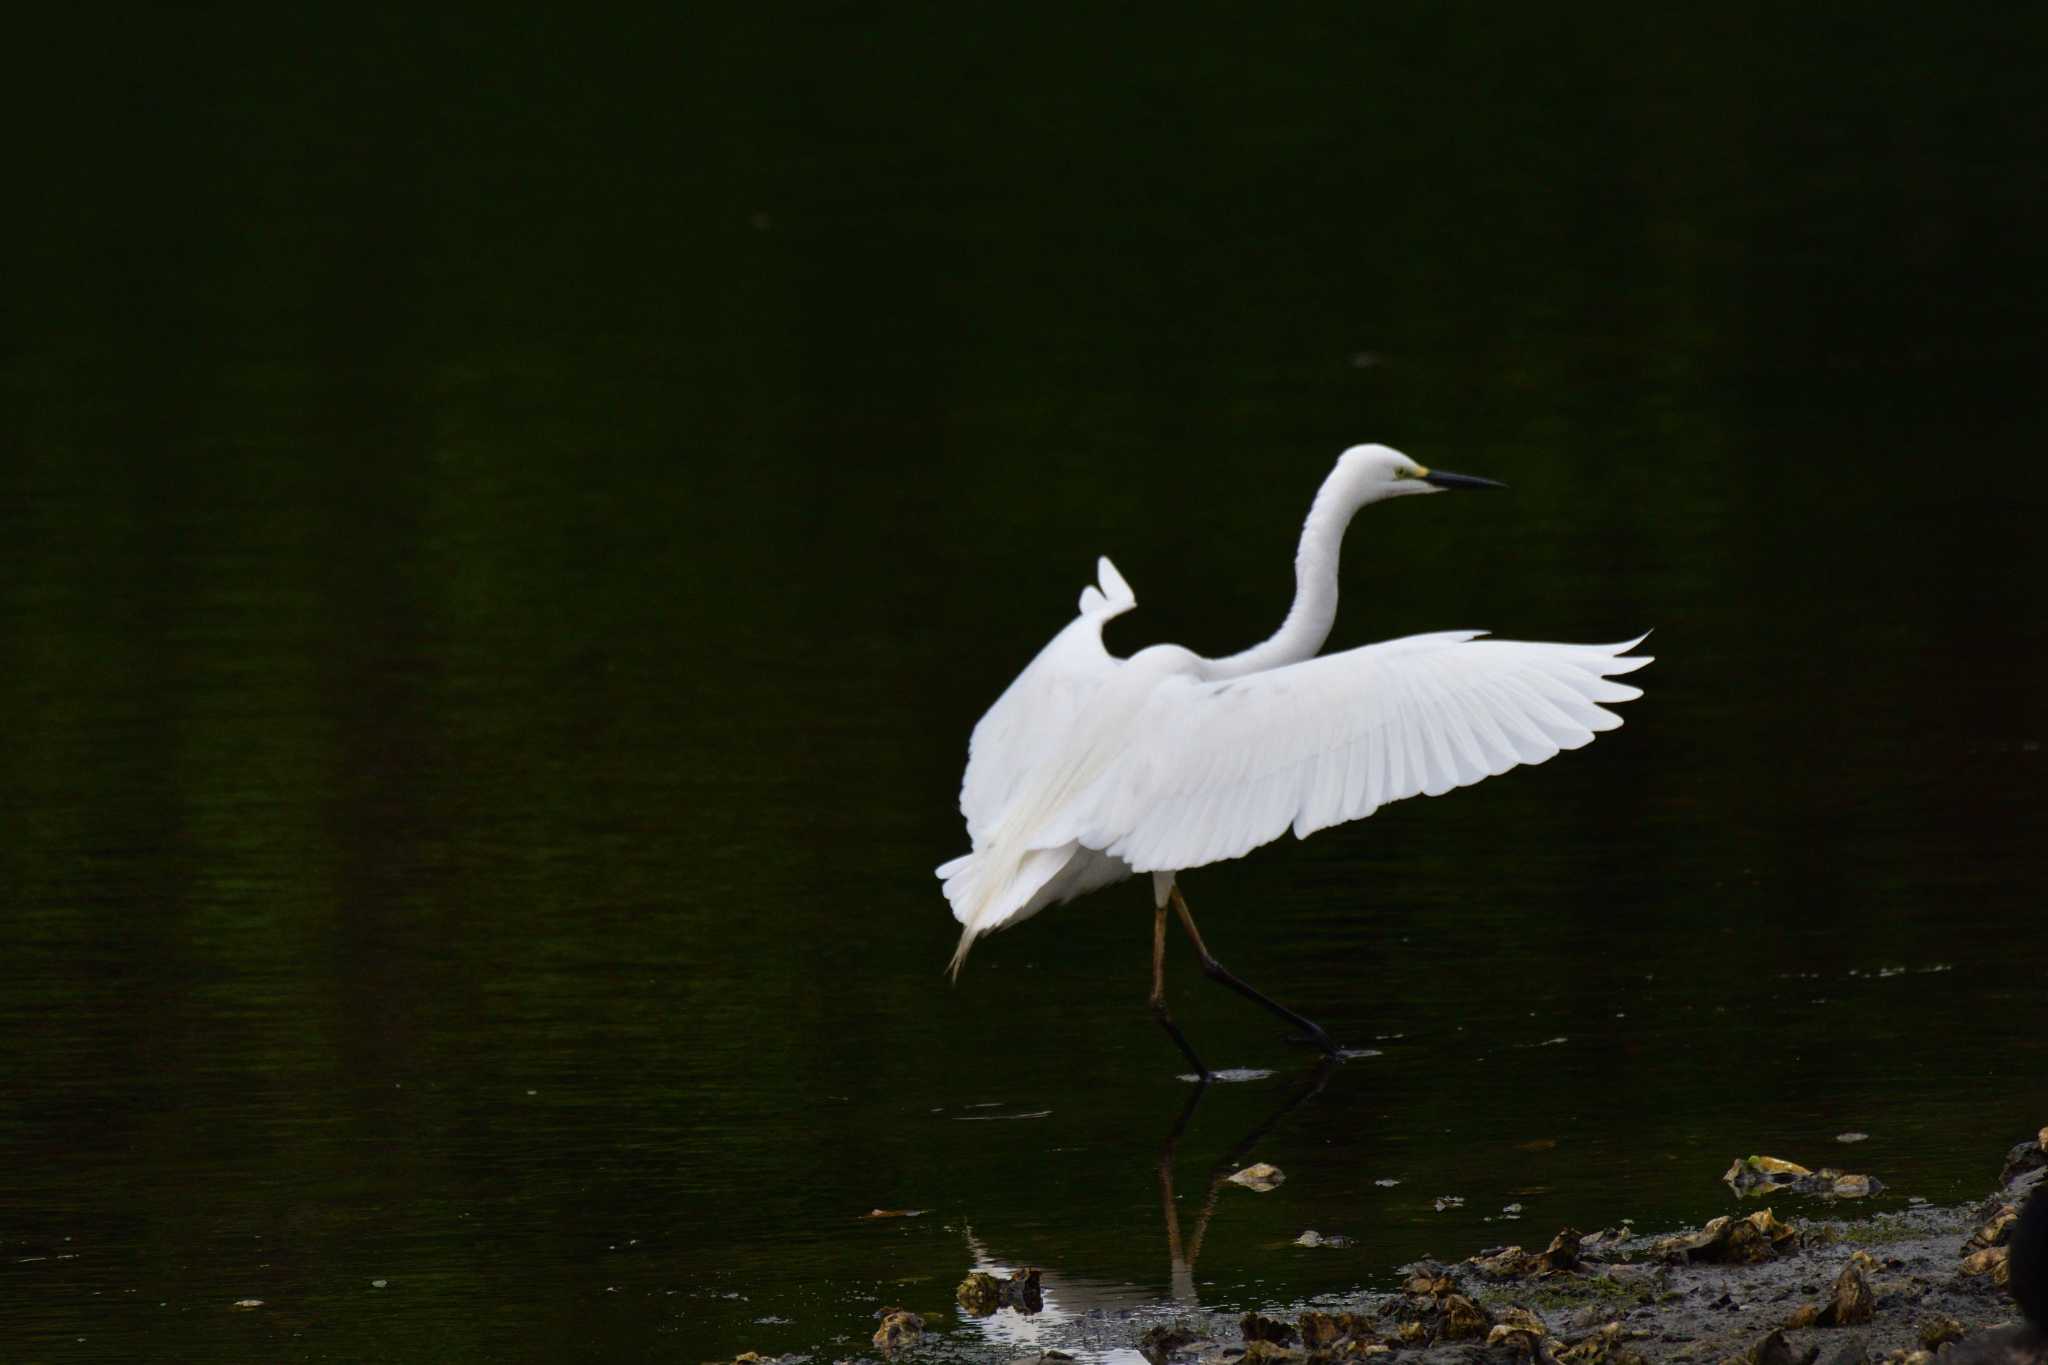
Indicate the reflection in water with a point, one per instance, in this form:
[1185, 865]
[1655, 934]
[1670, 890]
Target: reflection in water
[1068, 1298]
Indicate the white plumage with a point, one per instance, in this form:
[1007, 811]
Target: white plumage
[1090, 768]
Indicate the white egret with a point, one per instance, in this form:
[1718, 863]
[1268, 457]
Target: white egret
[1090, 769]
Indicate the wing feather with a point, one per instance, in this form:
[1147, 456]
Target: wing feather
[1025, 727]
[1212, 769]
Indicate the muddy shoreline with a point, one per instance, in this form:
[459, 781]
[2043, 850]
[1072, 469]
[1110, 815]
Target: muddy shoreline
[1787, 1281]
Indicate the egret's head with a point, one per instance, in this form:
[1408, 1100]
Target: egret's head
[1372, 472]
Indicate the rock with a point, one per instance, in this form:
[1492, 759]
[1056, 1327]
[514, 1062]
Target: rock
[1322, 1332]
[1561, 1257]
[1259, 1176]
[1464, 1320]
[1854, 1351]
[1021, 1291]
[1161, 1344]
[1258, 1328]
[1519, 1329]
[1428, 1278]
[1997, 1230]
[2027, 1156]
[1992, 1262]
[1606, 1346]
[1773, 1349]
[1271, 1352]
[1730, 1241]
[979, 1294]
[1852, 1304]
[1939, 1330]
[900, 1328]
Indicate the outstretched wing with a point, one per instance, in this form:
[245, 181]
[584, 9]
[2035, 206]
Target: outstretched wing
[1020, 733]
[1214, 769]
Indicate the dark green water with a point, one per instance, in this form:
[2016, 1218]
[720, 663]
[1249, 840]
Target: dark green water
[508, 521]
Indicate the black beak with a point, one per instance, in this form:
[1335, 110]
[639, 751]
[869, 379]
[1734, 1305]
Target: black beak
[1443, 478]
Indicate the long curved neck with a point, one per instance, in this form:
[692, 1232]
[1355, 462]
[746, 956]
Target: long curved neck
[1315, 589]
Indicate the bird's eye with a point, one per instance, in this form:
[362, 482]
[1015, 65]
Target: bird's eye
[1400, 473]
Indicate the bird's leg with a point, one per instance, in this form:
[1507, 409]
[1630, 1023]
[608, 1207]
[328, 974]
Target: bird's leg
[1313, 1032]
[1180, 1039]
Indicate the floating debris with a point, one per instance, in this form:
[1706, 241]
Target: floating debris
[1386, 1182]
[1768, 1174]
[895, 1213]
[1449, 1201]
[1730, 1241]
[900, 1328]
[1259, 1176]
[1852, 1137]
[1312, 1238]
[244, 1305]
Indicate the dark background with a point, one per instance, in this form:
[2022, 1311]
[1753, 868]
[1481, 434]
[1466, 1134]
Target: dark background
[507, 520]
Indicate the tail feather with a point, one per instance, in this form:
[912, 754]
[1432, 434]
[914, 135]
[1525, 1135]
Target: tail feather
[988, 890]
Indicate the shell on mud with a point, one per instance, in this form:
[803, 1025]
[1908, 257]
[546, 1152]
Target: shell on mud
[1730, 1241]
